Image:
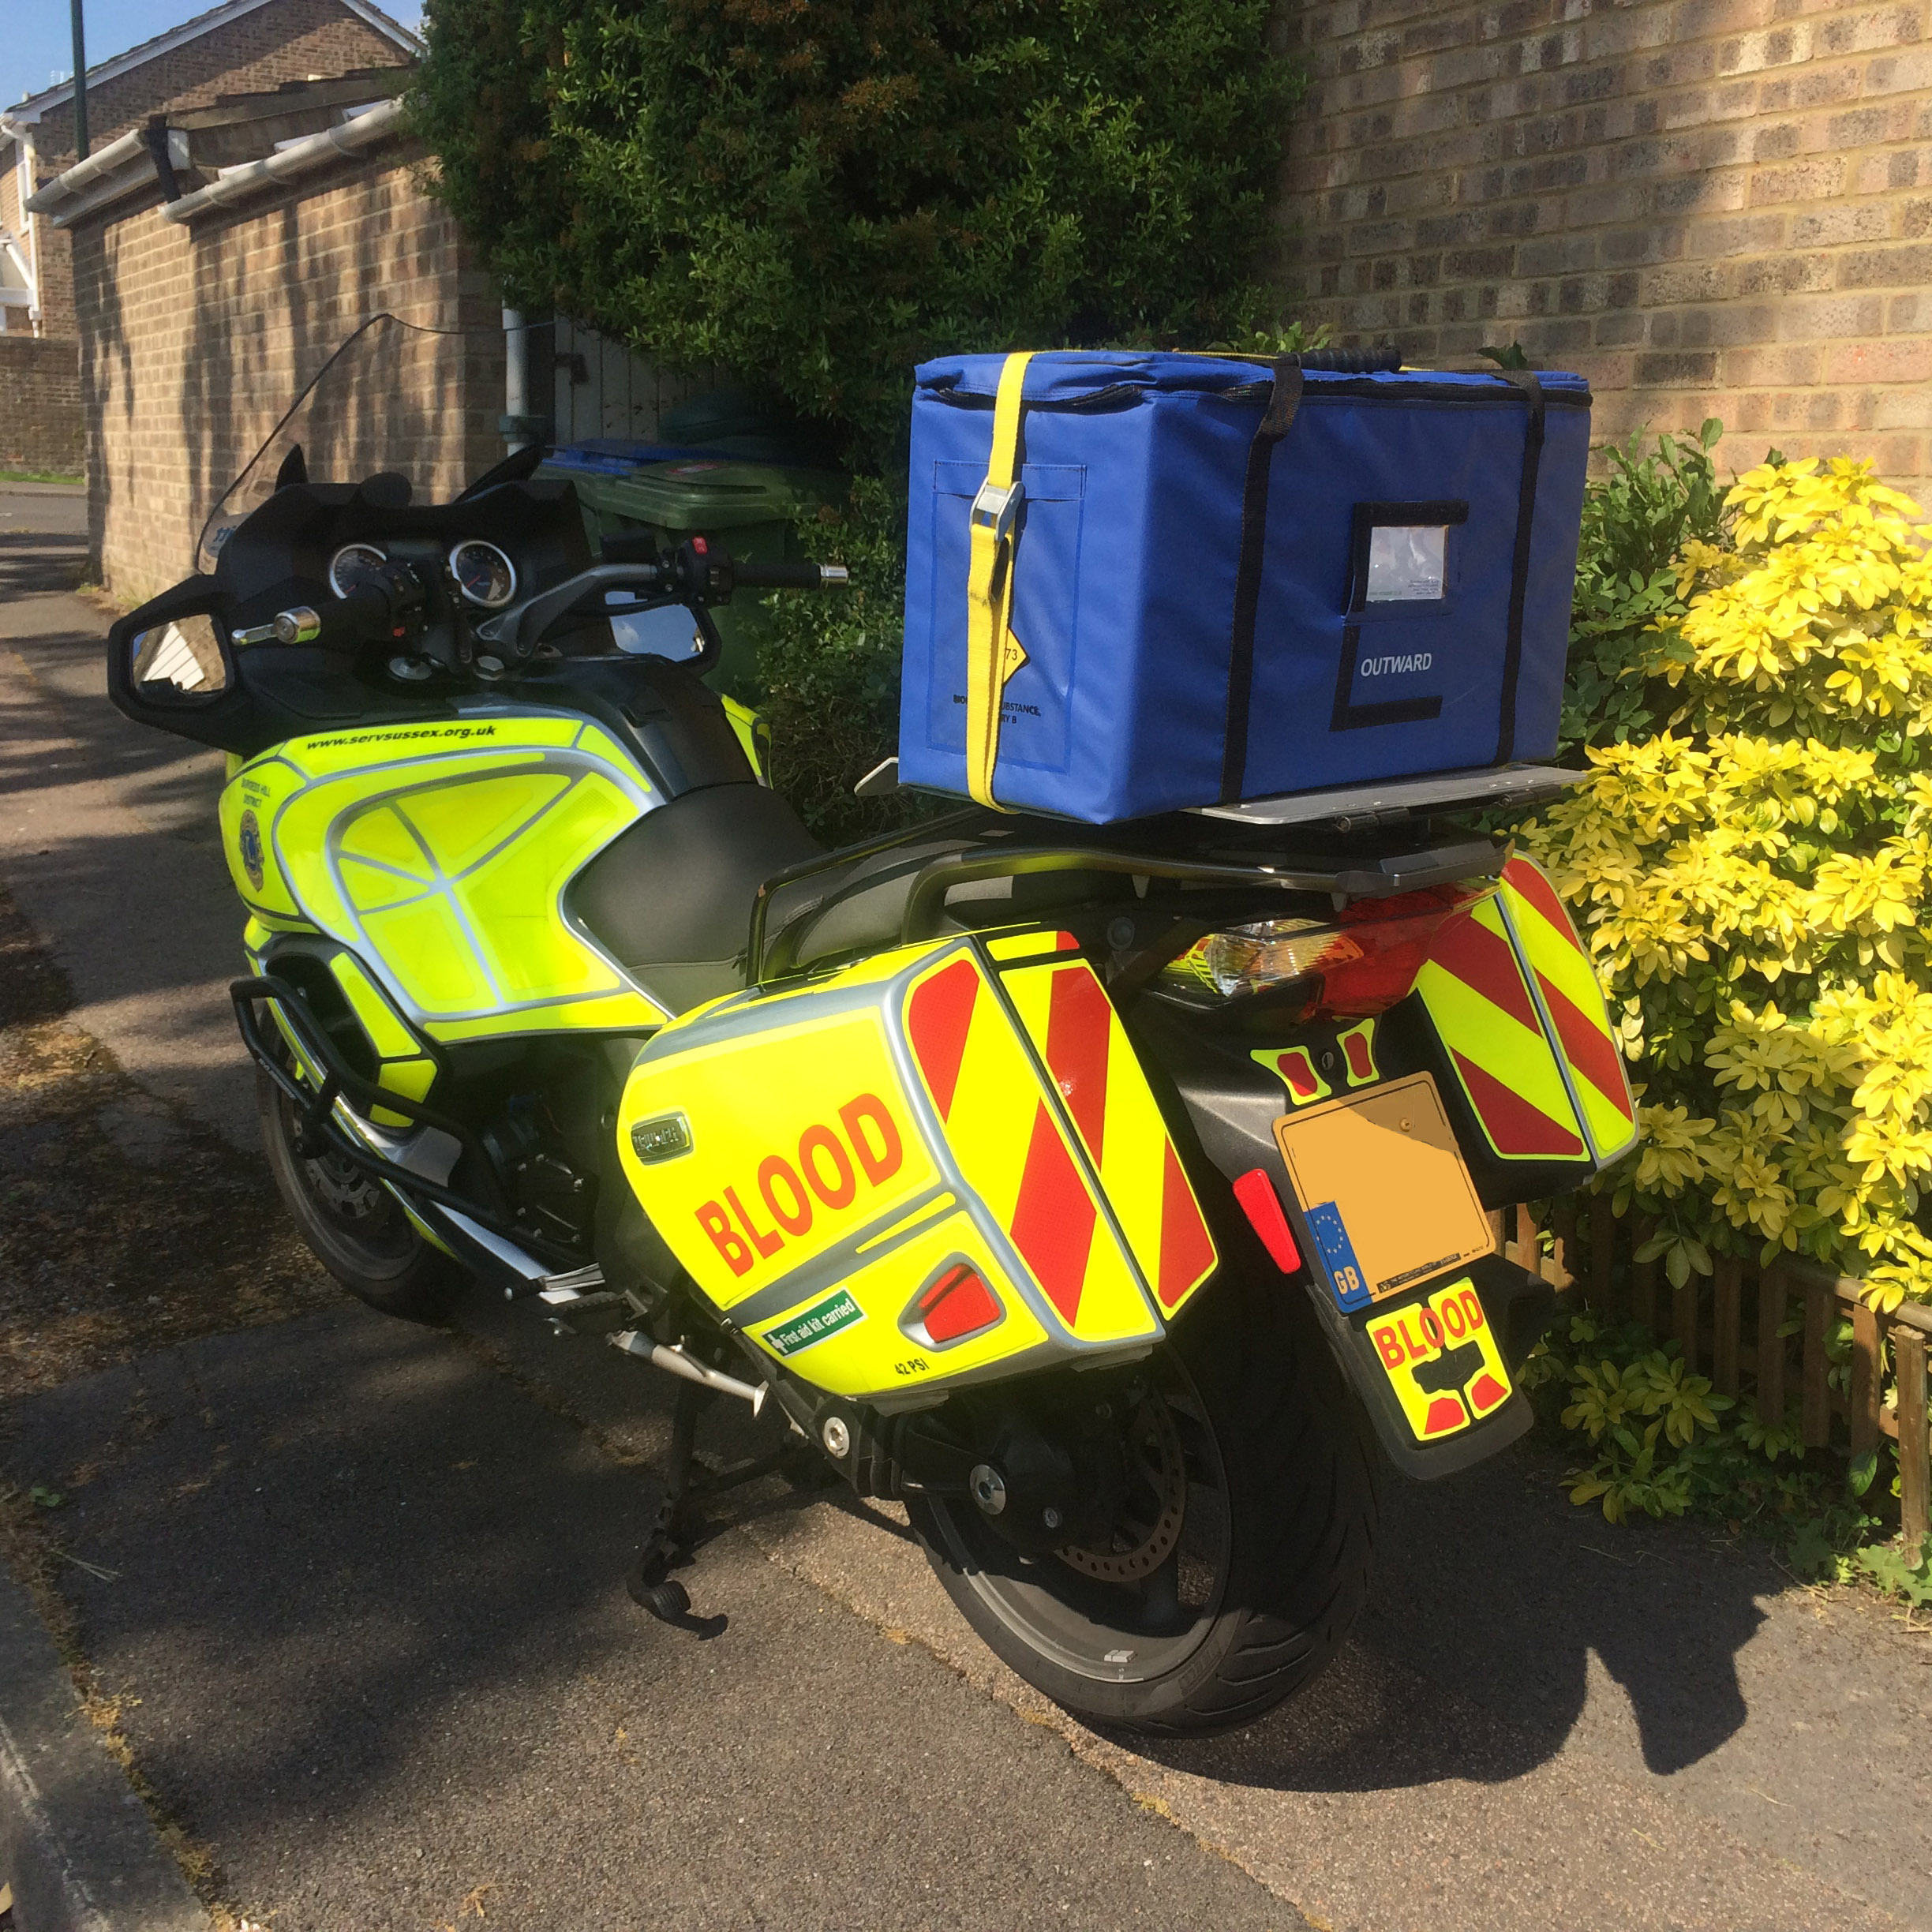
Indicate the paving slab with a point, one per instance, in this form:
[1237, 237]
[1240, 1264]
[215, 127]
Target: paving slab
[367, 1617]
[1537, 1720]
[108, 841]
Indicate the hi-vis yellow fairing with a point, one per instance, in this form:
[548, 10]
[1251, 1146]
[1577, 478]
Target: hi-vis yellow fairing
[933, 1164]
[441, 853]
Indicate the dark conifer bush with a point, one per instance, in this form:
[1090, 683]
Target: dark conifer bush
[812, 195]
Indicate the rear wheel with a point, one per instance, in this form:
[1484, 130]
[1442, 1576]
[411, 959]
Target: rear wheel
[353, 1225]
[1240, 1550]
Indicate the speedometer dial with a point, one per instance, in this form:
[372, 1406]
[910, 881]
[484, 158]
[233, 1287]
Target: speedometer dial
[483, 574]
[351, 564]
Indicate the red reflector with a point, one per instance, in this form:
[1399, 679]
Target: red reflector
[959, 1303]
[1262, 1206]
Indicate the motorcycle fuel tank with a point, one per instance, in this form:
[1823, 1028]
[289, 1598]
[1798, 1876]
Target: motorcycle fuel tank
[941, 1165]
[440, 853]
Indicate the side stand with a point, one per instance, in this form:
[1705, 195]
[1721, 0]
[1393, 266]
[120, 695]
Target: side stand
[679, 1530]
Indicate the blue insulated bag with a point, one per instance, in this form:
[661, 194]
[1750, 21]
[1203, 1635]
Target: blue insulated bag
[1140, 583]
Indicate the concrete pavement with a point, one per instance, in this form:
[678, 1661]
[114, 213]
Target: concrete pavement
[107, 833]
[367, 1596]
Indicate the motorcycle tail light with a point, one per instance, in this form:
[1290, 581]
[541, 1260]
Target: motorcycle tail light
[953, 1305]
[1353, 966]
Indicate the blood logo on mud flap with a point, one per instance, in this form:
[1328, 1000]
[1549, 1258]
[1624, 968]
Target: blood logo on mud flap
[1441, 1358]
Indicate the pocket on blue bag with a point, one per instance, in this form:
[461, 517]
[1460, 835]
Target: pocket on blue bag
[1397, 650]
[1035, 724]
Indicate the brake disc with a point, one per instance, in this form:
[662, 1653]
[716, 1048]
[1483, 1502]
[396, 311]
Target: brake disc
[343, 1186]
[1136, 1547]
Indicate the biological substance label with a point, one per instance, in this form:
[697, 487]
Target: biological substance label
[838, 1310]
[1441, 1358]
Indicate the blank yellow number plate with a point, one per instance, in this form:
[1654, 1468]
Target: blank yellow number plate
[1385, 1189]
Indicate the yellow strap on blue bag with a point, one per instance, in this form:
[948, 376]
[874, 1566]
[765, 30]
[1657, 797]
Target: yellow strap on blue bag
[993, 653]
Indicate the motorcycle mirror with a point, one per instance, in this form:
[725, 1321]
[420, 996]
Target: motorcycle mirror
[182, 662]
[675, 632]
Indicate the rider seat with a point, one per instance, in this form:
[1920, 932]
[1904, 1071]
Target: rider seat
[670, 899]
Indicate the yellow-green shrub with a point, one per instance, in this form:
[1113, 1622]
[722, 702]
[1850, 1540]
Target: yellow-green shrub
[1752, 881]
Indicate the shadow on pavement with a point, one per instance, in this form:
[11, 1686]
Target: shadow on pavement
[1470, 1661]
[359, 1596]
[324, 1538]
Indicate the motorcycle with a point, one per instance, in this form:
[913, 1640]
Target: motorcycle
[1119, 1200]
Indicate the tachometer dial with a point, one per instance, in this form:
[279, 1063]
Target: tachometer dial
[352, 564]
[484, 574]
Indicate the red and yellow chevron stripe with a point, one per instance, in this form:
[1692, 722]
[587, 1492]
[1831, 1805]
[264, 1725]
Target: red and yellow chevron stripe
[1482, 1008]
[1061, 1178]
[1572, 1004]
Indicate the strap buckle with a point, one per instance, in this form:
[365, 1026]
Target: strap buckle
[996, 507]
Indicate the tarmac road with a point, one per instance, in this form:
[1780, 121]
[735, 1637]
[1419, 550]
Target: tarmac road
[368, 1596]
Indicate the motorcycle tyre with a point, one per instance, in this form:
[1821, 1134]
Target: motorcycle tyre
[420, 1285]
[1301, 1474]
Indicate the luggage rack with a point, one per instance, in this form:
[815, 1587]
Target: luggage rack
[767, 959]
[1356, 808]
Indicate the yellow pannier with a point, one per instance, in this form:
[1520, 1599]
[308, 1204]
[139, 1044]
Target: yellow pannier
[941, 1165]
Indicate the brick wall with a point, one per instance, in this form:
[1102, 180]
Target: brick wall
[195, 339]
[40, 425]
[1711, 207]
[285, 40]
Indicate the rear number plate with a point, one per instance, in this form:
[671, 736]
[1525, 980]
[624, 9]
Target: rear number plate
[1386, 1194]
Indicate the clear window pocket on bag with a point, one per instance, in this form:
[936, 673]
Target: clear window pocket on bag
[1402, 568]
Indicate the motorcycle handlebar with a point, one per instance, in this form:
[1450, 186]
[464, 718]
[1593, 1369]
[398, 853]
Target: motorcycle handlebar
[790, 576]
[373, 613]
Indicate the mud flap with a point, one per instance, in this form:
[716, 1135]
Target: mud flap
[1437, 1369]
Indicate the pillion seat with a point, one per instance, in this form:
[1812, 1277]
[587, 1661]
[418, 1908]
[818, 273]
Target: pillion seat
[671, 898]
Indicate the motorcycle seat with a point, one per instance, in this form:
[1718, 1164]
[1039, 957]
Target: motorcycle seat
[670, 899]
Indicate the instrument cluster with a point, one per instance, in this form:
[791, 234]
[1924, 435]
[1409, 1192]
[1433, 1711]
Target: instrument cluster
[482, 574]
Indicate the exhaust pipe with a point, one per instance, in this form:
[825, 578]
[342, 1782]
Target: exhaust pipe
[674, 1362]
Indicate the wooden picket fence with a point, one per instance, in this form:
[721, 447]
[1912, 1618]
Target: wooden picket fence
[1729, 1325]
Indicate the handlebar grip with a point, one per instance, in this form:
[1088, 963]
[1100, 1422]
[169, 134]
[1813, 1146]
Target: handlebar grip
[785, 575]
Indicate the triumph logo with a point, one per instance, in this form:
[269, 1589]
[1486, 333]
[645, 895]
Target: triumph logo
[1392, 667]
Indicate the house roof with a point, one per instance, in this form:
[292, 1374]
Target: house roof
[27, 112]
[240, 146]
